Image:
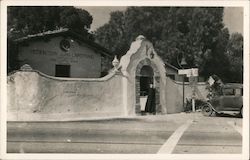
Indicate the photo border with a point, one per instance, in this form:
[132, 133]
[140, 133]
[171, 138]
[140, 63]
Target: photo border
[181, 3]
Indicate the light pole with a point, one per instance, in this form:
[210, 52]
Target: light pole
[183, 27]
[182, 65]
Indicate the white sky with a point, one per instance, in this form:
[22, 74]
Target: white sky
[233, 17]
[101, 15]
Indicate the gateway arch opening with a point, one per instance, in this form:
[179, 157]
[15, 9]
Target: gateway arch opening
[147, 90]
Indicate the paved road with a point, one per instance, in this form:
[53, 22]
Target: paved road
[146, 134]
[211, 135]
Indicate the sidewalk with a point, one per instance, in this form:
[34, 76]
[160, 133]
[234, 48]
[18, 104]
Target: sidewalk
[176, 118]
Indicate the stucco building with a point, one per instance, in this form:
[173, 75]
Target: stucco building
[64, 53]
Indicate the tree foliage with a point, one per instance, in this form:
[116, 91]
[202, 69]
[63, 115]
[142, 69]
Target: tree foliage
[33, 19]
[235, 55]
[198, 33]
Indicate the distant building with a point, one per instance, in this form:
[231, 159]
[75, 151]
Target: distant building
[172, 72]
[64, 53]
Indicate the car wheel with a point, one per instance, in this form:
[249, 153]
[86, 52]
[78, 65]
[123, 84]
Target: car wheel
[207, 110]
[217, 114]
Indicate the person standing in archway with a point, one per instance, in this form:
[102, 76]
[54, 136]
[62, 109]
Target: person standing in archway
[150, 105]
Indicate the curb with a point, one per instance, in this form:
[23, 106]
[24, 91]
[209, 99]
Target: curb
[144, 117]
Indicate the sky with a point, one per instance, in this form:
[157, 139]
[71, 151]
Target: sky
[101, 15]
[233, 17]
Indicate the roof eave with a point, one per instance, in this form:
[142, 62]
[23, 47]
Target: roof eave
[102, 50]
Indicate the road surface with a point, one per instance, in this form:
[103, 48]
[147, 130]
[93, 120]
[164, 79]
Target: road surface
[176, 133]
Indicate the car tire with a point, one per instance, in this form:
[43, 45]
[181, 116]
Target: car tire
[207, 109]
[217, 114]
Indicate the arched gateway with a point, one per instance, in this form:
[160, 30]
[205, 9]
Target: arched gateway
[142, 67]
[146, 74]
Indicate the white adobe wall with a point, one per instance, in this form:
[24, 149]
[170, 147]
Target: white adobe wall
[33, 96]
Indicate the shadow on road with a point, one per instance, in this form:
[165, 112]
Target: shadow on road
[227, 115]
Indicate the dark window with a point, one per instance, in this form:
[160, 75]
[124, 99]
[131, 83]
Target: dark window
[238, 92]
[62, 70]
[228, 91]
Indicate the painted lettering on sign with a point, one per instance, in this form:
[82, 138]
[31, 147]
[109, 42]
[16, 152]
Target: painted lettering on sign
[80, 55]
[68, 54]
[43, 52]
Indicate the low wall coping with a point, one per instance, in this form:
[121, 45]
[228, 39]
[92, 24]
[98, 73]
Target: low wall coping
[105, 78]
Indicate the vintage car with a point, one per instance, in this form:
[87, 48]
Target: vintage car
[229, 102]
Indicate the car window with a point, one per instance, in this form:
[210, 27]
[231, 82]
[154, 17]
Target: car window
[238, 92]
[228, 91]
